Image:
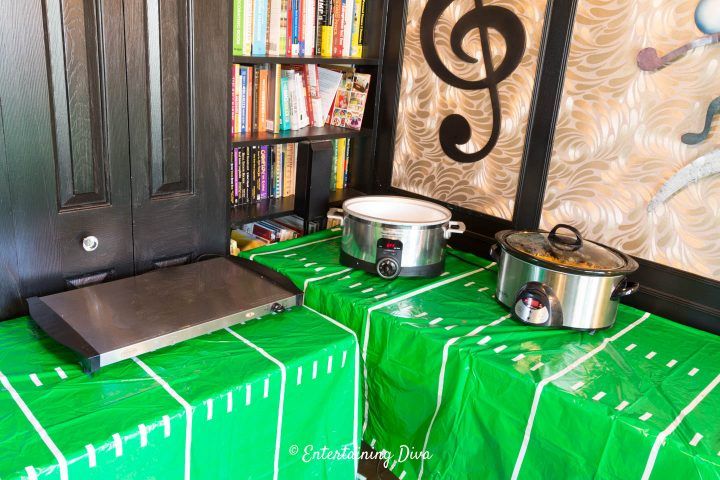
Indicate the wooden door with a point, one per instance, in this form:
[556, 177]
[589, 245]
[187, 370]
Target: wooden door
[65, 152]
[177, 68]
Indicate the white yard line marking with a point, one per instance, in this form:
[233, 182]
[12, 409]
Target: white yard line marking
[209, 404]
[266, 388]
[484, 340]
[468, 284]
[536, 366]
[622, 405]
[92, 457]
[166, 425]
[62, 462]
[421, 314]
[391, 301]
[229, 402]
[660, 440]
[650, 355]
[599, 396]
[379, 296]
[294, 247]
[645, 416]
[355, 285]
[356, 383]
[696, 439]
[671, 363]
[35, 380]
[500, 348]
[248, 394]
[31, 473]
[450, 327]
[693, 372]
[329, 365]
[283, 377]
[61, 373]
[314, 372]
[299, 375]
[441, 381]
[310, 280]
[577, 385]
[552, 378]
[368, 290]
[436, 321]
[117, 444]
[630, 347]
[186, 406]
[344, 357]
[143, 435]
[518, 357]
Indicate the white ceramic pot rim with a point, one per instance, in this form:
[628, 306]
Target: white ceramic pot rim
[396, 210]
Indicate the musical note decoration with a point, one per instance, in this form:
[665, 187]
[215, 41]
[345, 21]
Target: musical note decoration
[455, 129]
[649, 60]
[702, 167]
[695, 138]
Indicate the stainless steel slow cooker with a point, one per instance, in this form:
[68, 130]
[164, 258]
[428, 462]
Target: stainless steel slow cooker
[394, 236]
[557, 279]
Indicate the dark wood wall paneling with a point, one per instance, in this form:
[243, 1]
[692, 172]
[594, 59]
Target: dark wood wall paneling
[681, 296]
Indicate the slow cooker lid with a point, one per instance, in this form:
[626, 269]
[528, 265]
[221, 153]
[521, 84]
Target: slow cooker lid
[397, 210]
[566, 249]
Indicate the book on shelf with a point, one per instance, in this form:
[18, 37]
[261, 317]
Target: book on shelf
[263, 232]
[260, 172]
[275, 98]
[328, 28]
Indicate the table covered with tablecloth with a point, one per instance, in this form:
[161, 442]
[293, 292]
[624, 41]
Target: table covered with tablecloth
[454, 388]
[258, 400]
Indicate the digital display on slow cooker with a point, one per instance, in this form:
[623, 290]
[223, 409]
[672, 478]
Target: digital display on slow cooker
[389, 244]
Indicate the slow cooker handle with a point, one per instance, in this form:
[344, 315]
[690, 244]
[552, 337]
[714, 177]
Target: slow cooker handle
[559, 241]
[336, 214]
[624, 289]
[454, 227]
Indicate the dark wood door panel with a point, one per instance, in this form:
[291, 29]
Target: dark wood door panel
[63, 93]
[178, 111]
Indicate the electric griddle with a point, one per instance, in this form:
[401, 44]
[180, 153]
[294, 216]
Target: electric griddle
[113, 321]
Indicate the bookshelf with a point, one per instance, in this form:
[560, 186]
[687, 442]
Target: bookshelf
[361, 160]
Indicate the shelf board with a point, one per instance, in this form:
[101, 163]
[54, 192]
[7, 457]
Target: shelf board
[289, 136]
[278, 207]
[262, 210]
[305, 60]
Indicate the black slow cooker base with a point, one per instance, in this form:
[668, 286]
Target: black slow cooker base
[425, 271]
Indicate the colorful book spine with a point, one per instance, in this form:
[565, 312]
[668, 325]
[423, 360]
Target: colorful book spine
[273, 38]
[248, 26]
[260, 25]
[236, 176]
[262, 98]
[242, 113]
[263, 173]
[282, 43]
[233, 107]
[333, 166]
[295, 28]
[238, 25]
[301, 27]
[358, 13]
[348, 8]
[285, 103]
[327, 28]
[347, 163]
[337, 28]
[310, 14]
[340, 168]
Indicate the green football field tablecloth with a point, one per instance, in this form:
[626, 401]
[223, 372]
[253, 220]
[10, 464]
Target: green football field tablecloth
[456, 389]
[243, 402]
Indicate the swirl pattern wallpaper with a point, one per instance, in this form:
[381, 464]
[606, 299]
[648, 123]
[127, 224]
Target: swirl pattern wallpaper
[420, 164]
[626, 133]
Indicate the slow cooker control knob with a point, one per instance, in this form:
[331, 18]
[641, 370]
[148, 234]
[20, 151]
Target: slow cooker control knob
[388, 268]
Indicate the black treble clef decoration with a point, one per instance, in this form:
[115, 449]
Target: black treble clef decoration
[455, 129]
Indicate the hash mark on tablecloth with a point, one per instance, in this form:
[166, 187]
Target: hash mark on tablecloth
[436, 321]
[693, 372]
[621, 406]
[92, 457]
[599, 396]
[518, 357]
[650, 355]
[482, 289]
[696, 439]
[344, 357]
[35, 380]
[299, 375]
[31, 473]
[143, 435]
[229, 402]
[536, 366]
[368, 290]
[450, 327]
[484, 340]
[577, 385]
[355, 285]
[630, 347]
[329, 365]
[421, 314]
[266, 388]
[380, 295]
[645, 416]
[61, 373]
[248, 394]
[500, 348]
[290, 255]
[671, 363]
[209, 405]
[117, 443]
[314, 372]
[468, 284]
[166, 425]
[444, 274]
